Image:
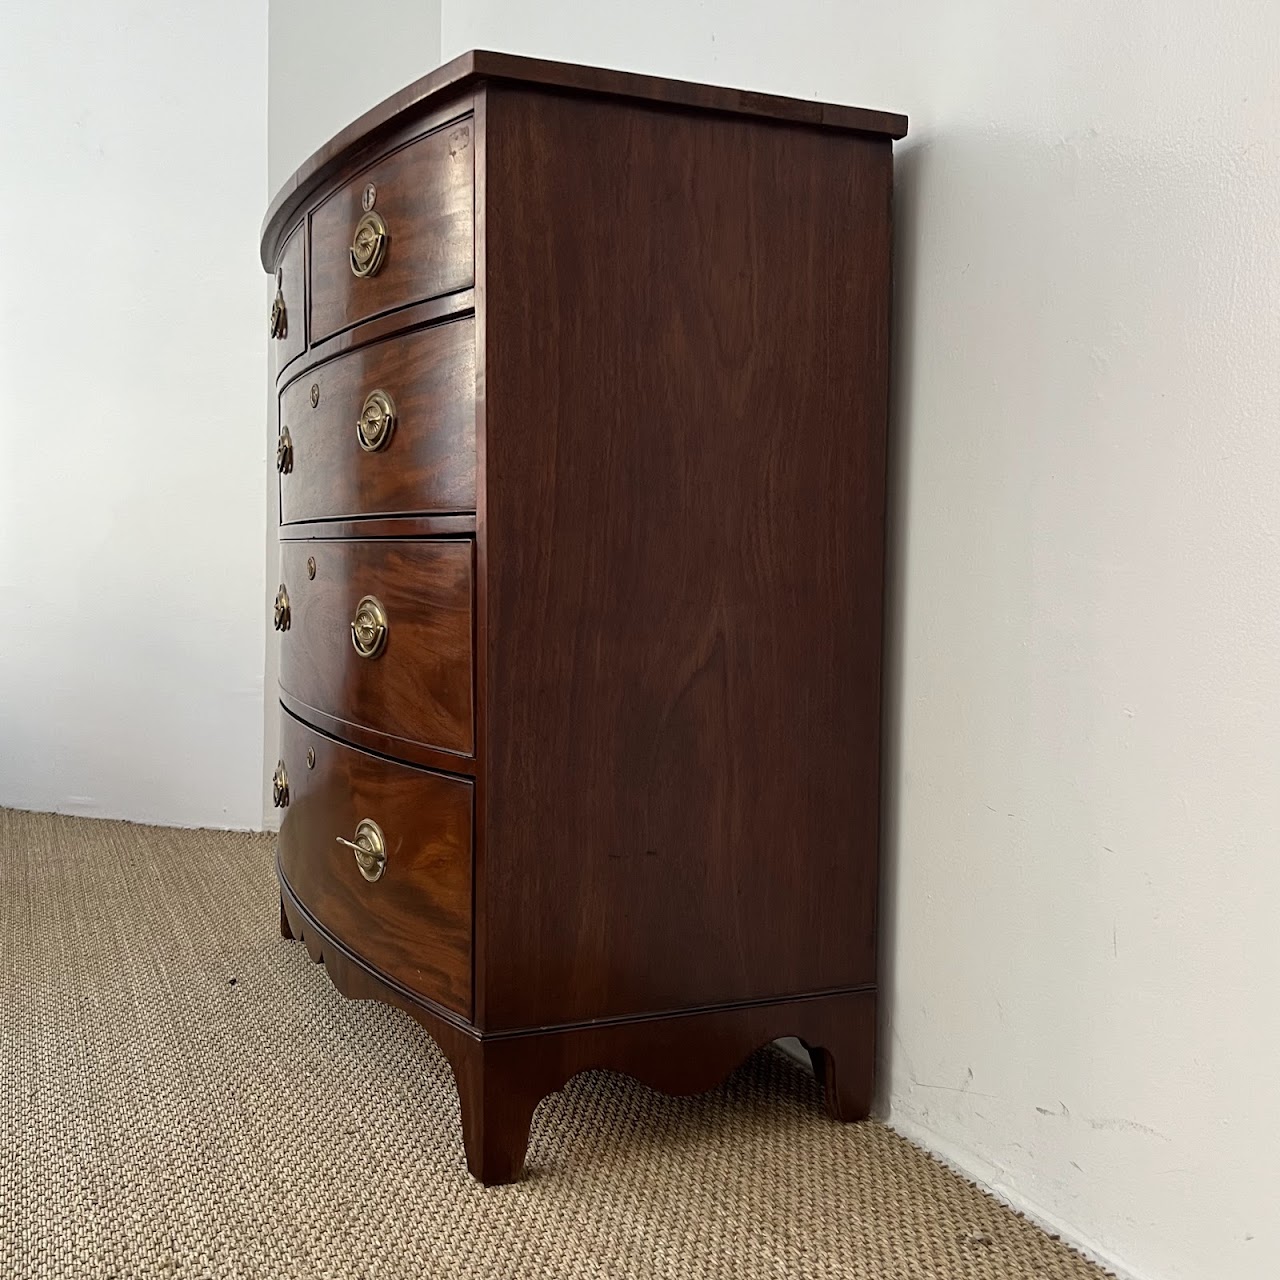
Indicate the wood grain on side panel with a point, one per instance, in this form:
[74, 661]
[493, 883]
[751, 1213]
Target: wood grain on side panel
[685, 450]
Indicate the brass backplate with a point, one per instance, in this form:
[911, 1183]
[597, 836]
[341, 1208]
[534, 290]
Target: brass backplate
[369, 627]
[284, 452]
[369, 245]
[376, 422]
[370, 848]
[279, 323]
[280, 786]
[282, 614]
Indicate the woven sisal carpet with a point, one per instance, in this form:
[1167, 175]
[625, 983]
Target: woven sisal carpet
[184, 1095]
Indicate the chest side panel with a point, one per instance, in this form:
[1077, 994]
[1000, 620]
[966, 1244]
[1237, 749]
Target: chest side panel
[687, 334]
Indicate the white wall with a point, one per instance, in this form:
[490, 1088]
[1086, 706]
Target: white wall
[321, 80]
[1084, 695]
[132, 350]
[323, 74]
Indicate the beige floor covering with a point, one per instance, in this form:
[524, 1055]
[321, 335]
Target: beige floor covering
[182, 1094]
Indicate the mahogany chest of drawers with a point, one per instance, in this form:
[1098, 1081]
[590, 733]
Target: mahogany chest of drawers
[581, 448]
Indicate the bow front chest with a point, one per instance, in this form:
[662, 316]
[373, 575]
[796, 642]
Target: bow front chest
[582, 391]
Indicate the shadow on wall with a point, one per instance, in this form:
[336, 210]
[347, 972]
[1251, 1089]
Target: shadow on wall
[910, 163]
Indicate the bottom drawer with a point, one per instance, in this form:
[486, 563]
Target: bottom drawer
[402, 900]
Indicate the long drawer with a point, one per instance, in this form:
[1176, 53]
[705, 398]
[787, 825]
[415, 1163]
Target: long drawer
[388, 429]
[378, 634]
[400, 231]
[398, 892]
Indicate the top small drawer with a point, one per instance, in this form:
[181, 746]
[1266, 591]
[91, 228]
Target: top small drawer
[401, 231]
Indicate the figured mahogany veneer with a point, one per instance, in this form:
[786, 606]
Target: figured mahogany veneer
[424, 194]
[429, 460]
[414, 922]
[420, 686]
[624, 736]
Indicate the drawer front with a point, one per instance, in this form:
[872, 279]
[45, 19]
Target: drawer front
[342, 460]
[287, 321]
[413, 921]
[416, 684]
[422, 199]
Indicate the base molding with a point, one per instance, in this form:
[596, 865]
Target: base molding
[502, 1078]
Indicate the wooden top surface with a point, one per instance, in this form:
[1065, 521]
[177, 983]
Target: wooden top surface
[423, 95]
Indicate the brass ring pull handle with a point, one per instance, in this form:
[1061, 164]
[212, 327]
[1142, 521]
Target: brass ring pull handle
[369, 847]
[284, 452]
[280, 786]
[376, 422]
[279, 323]
[369, 245]
[369, 627]
[282, 609]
